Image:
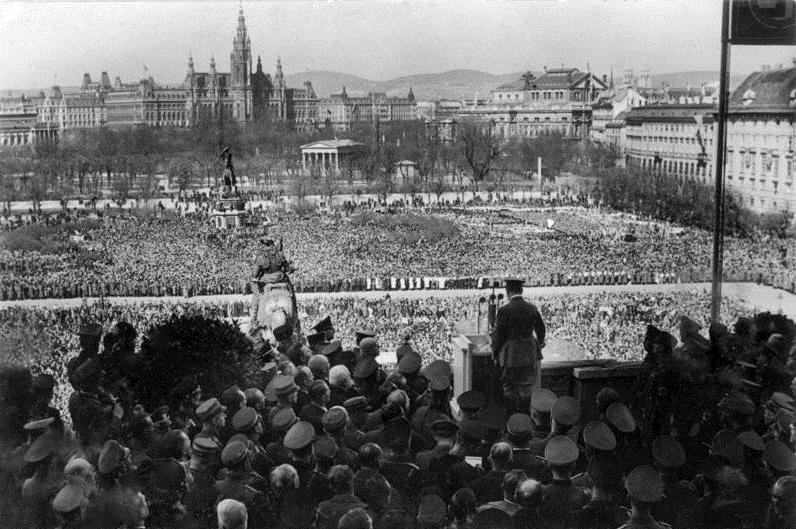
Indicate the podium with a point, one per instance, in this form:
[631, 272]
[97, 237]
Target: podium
[472, 365]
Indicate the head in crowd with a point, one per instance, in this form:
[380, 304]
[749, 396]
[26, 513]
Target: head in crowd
[356, 519]
[232, 515]
[341, 479]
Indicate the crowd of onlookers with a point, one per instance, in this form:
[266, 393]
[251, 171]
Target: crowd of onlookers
[167, 255]
[330, 439]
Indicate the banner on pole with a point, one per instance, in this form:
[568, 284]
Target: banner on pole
[763, 22]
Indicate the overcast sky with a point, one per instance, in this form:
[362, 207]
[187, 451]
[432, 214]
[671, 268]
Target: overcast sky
[376, 39]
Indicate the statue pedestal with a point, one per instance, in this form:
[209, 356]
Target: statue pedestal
[228, 212]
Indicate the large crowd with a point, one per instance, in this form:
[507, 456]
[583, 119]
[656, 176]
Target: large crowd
[167, 255]
[703, 440]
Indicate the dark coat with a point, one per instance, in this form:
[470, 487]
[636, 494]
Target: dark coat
[513, 340]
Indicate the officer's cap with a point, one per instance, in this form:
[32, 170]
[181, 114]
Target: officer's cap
[209, 409]
[40, 448]
[90, 329]
[409, 364]
[314, 339]
[514, 283]
[519, 424]
[205, 445]
[444, 428]
[439, 383]
[668, 452]
[471, 401]
[432, 509]
[356, 404]
[283, 419]
[245, 419]
[254, 396]
[70, 498]
[39, 424]
[566, 411]
[561, 450]
[542, 400]
[235, 452]
[365, 368]
[361, 334]
[438, 369]
[239, 438]
[334, 419]
[111, 457]
[598, 435]
[779, 456]
[750, 439]
[493, 416]
[299, 436]
[645, 484]
[782, 400]
[323, 325]
[325, 447]
[284, 385]
[620, 417]
[77, 465]
[283, 332]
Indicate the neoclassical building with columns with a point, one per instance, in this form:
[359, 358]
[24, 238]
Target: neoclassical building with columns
[330, 155]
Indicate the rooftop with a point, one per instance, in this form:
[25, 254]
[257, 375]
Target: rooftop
[766, 91]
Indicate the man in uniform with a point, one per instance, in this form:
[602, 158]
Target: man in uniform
[269, 267]
[645, 488]
[517, 342]
[562, 499]
[325, 343]
[89, 336]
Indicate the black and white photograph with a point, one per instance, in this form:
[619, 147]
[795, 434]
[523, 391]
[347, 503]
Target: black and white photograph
[398, 264]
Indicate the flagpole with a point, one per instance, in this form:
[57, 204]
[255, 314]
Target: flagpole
[721, 139]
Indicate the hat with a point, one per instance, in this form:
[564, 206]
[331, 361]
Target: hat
[209, 409]
[90, 329]
[440, 383]
[444, 428]
[39, 424]
[78, 465]
[566, 410]
[71, 497]
[778, 345]
[334, 419]
[519, 424]
[473, 429]
[325, 447]
[750, 439]
[323, 325]
[782, 400]
[784, 418]
[314, 339]
[254, 396]
[245, 419]
[779, 456]
[45, 381]
[542, 400]
[284, 385]
[365, 368]
[409, 364]
[111, 457]
[283, 419]
[493, 416]
[726, 444]
[203, 444]
[234, 453]
[299, 436]
[283, 332]
[471, 401]
[598, 435]
[438, 369]
[432, 509]
[356, 404]
[645, 484]
[39, 449]
[561, 450]
[492, 518]
[620, 417]
[361, 334]
[369, 348]
[514, 283]
[668, 452]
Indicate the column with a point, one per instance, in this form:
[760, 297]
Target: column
[304, 161]
[337, 160]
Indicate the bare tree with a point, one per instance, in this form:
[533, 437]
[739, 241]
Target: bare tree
[480, 147]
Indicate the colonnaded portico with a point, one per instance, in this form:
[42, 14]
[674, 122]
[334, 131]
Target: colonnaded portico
[329, 155]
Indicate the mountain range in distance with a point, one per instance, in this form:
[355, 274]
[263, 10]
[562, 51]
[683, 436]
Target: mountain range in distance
[451, 84]
[462, 84]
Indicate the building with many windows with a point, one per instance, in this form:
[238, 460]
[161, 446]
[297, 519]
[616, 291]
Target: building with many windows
[558, 101]
[340, 111]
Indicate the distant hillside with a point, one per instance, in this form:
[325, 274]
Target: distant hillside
[694, 79]
[453, 84]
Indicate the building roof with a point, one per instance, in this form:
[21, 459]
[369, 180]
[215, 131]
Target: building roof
[670, 114]
[766, 91]
[332, 144]
[553, 79]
